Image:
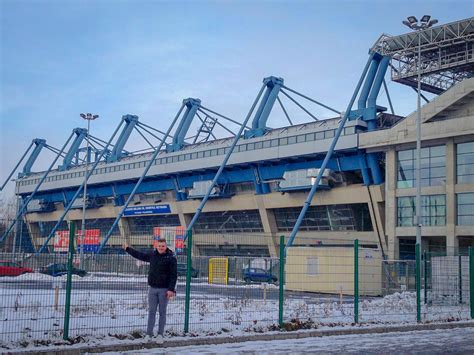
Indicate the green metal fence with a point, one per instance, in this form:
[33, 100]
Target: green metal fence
[224, 286]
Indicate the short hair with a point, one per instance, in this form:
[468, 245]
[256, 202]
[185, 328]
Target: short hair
[161, 240]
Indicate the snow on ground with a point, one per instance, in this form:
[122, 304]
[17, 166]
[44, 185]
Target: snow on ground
[119, 310]
[457, 340]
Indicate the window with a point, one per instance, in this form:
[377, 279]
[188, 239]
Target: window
[251, 146]
[283, 141]
[433, 211]
[355, 217]
[292, 140]
[465, 163]
[266, 144]
[207, 153]
[187, 156]
[329, 134]
[465, 209]
[194, 155]
[181, 157]
[229, 221]
[213, 152]
[301, 138]
[349, 130]
[174, 159]
[242, 148]
[319, 135]
[221, 151]
[433, 167]
[312, 265]
[258, 145]
[274, 143]
[145, 225]
[310, 137]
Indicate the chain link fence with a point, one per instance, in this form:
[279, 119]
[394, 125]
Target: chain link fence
[227, 282]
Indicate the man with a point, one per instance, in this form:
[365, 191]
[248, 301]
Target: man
[162, 281]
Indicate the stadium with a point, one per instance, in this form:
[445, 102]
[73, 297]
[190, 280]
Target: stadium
[238, 194]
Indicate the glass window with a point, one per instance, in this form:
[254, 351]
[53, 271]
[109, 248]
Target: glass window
[319, 135]
[465, 163]
[433, 167]
[433, 211]
[200, 154]
[221, 151]
[465, 209]
[258, 145]
[351, 217]
[194, 155]
[213, 152]
[187, 156]
[229, 221]
[242, 148]
[207, 153]
[301, 138]
[283, 141]
[181, 157]
[292, 140]
[266, 144]
[329, 134]
[274, 142]
[251, 146]
[310, 137]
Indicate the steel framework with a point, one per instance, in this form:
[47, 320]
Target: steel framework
[447, 55]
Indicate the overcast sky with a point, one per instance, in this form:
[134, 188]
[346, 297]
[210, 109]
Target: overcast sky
[110, 57]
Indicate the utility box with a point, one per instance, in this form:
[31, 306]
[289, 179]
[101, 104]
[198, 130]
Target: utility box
[331, 270]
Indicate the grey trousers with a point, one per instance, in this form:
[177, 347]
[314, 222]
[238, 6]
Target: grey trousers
[156, 297]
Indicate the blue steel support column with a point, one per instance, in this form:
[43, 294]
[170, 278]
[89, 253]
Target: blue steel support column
[130, 123]
[80, 133]
[224, 162]
[363, 168]
[40, 143]
[30, 197]
[132, 193]
[374, 64]
[328, 156]
[17, 165]
[66, 210]
[371, 117]
[273, 86]
[192, 106]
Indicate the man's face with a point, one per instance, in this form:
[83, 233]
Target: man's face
[161, 247]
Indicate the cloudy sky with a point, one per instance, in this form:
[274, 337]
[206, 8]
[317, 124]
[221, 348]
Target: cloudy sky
[113, 57]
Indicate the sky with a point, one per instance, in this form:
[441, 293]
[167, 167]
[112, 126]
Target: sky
[60, 58]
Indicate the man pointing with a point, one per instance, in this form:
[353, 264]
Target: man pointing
[162, 278]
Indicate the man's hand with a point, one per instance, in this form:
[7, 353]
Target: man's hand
[170, 294]
[125, 246]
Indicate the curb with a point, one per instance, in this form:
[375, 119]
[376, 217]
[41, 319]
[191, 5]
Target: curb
[242, 338]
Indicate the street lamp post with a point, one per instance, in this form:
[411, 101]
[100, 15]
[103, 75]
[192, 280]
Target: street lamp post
[424, 23]
[88, 117]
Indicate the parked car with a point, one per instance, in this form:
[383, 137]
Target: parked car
[252, 274]
[59, 269]
[11, 268]
[182, 271]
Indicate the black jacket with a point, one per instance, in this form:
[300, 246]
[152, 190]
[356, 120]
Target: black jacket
[163, 267]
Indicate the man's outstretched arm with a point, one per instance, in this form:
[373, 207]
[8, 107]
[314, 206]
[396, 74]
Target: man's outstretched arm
[137, 254]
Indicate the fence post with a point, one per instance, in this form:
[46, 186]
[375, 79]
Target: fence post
[70, 255]
[188, 280]
[425, 274]
[471, 279]
[282, 281]
[418, 282]
[356, 281]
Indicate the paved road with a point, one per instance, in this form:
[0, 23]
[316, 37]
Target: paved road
[446, 341]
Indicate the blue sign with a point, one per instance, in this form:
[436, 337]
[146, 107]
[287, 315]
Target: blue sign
[145, 210]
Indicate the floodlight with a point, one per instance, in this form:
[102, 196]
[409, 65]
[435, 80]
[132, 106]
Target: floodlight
[425, 19]
[412, 19]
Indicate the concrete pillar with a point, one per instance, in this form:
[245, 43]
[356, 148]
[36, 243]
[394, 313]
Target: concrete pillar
[451, 240]
[391, 203]
[269, 226]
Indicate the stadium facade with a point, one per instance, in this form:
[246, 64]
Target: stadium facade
[366, 192]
